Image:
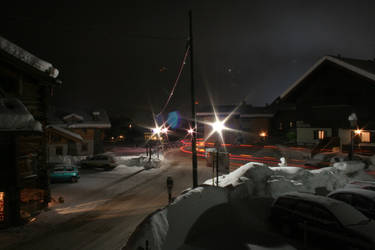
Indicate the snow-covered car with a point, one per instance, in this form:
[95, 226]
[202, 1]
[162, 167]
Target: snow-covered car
[64, 172]
[105, 161]
[361, 199]
[323, 221]
[368, 185]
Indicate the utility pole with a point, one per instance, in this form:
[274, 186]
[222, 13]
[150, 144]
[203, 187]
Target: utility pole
[194, 123]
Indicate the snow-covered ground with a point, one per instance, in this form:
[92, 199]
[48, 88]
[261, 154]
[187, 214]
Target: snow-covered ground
[94, 189]
[170, 227]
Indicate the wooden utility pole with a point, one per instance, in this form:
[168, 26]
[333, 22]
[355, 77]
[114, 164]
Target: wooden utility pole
[194, 124]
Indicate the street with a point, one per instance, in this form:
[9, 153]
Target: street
[104, 208]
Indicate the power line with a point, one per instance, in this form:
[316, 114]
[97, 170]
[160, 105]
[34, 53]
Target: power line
[176, 81]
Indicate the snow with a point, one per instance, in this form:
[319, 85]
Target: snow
[250, 180]
[27, 57]
[172, 230]
[67, 132]
[14, 116]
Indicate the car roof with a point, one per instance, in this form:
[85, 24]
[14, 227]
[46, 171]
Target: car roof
[322, 200]
[360, 191]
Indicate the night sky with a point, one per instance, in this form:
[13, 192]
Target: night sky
[124, 55]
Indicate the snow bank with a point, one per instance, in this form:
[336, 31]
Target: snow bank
[165, 229]
[141, 161]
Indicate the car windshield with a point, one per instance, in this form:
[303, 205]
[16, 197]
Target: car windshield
[347, 215]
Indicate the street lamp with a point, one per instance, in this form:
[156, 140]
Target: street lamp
[217, 127]
[353, 124]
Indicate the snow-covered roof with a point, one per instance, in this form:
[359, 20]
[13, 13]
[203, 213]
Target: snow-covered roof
[246, 111]
[28, 58]
[73, 115]
[66, 132]
[86, 119]
[361, 67]
[14, 116]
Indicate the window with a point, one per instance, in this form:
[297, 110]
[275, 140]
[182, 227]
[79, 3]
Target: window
[320, 134]
[59, 150]
[291, 124]
[2, 205]
[365, 136]
[281, 126]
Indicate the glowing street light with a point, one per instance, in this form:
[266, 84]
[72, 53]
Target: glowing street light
[218, 126]
[357, 131]
[164, 130]
[190, 131]
[263, 134]
[156, 130]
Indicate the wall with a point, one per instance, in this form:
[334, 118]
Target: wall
[306, 135]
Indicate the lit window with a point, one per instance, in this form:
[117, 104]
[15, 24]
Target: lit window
[281, 126]
[321, 134]
[291, 124]
[365, 136]
[2, 214]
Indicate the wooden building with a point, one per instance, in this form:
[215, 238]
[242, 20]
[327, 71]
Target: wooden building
[317, 106]
[78, 133]
[25, 84]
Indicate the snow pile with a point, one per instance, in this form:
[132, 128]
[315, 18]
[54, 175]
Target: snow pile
[27, 57]
[141, 161]
[165, 229]
[14, 116]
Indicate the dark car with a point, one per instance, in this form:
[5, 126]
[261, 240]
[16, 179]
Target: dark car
[361, 199]
[323, 222]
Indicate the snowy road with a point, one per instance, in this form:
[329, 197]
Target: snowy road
[111, 204]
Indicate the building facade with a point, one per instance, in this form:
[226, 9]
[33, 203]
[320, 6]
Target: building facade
[76, 134]
[317, 106]
[26, 82]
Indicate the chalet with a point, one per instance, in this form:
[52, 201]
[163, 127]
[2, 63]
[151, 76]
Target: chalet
[317, 106]
[246, 123]
[25, 84]
[76, 133]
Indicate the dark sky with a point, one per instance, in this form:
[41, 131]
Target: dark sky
[110, 53]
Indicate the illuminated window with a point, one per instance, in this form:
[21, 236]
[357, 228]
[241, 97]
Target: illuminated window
[281, 126]
[320, 134]
[365, 136]
[291, 124]
[2, 214]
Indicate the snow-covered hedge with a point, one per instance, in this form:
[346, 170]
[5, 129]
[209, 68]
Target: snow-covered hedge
[168, 227]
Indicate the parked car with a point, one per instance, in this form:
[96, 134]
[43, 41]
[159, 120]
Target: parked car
[361, 199]
[105, 161]
[322, 221]
[64, 172]
[368, 185]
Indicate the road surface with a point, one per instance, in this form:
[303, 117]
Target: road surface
[109, 212]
